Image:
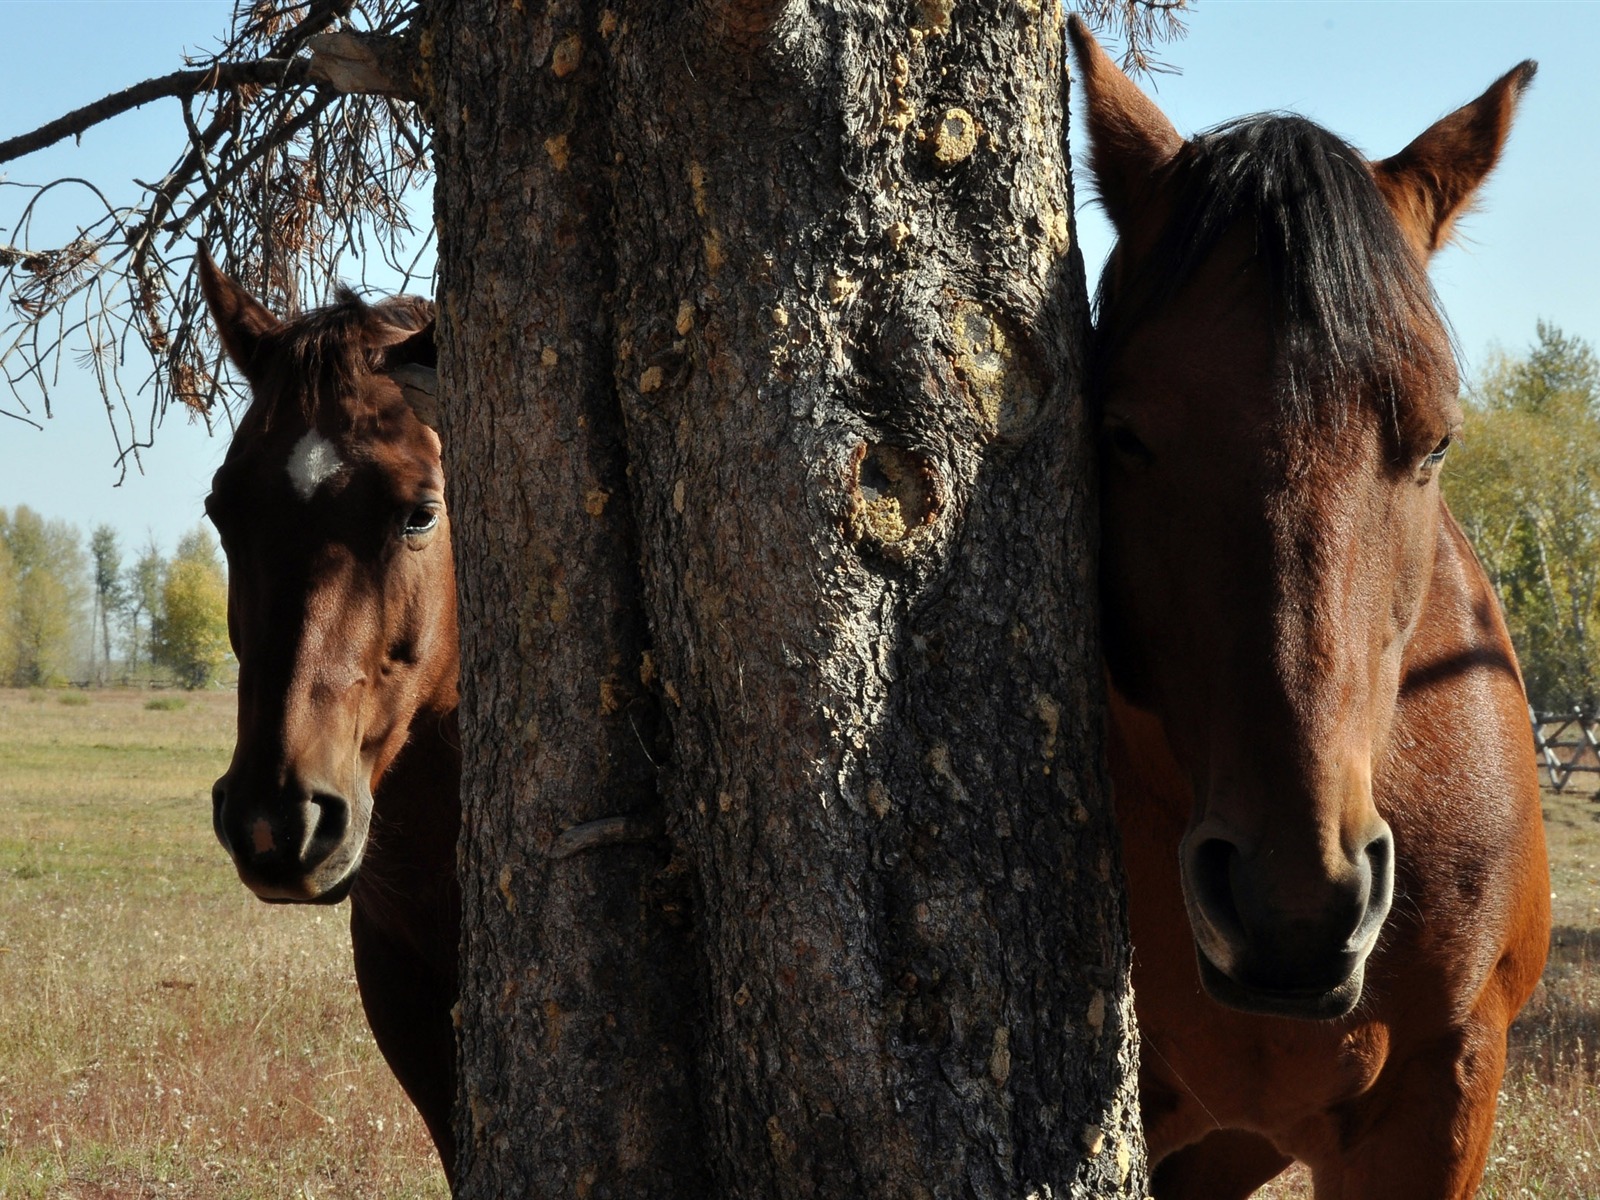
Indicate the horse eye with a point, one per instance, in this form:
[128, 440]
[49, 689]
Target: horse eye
[421, 520]
[1437, 455]
[1127, 445]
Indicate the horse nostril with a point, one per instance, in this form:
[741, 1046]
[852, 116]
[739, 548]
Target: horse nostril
[1378, 868]
[326, 825]
[1211, 871]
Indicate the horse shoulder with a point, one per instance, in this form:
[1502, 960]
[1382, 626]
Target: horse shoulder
[1461, 788]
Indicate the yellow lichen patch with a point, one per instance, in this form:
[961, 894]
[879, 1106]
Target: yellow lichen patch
[780, 317]
[647, 668]
[480, 1110]
[1001, 390]
[697, 187]
[878, 799]
[714, 256]
[936, 15]
[842, 286]
[1093, 1140]
[1000, 1057]
[901, 114]
[560, 603]
[955, 137]
[899, 233]
[1057, 228]
[650, 380]
[782, 1145]
[1096, 1015]
[595, 500]
[895, 498]
[677, 497]
[724, 802]
[548, 357]
[608, 23]
[567, 55]
[1124, 1161]
[506, 893]
[1049, 713]
[552, 1026]
[685, 319]
[671, 690]
[558, 151]
[611, 695]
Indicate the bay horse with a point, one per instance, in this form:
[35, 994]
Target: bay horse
[345, 777]
[1318, 737]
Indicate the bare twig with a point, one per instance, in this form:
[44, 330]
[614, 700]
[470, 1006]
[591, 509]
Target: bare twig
[1141, 25]
[221, 77]
[279, 174]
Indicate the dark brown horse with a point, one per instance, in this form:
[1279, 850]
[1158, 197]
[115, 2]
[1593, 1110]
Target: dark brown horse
[341, 607]
[1319, 741]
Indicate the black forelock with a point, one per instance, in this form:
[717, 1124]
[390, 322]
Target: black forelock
[1348, 295]
[318, 360]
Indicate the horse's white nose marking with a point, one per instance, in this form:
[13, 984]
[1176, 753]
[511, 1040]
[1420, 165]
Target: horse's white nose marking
[261, 835]
[312, 461]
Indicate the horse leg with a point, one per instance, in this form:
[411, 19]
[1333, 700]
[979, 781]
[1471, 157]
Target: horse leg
[1424, 1132]
[408, 1009]
[1229, 1164]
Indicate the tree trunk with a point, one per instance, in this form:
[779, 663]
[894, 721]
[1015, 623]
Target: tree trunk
[780, 300]
[574, 1034]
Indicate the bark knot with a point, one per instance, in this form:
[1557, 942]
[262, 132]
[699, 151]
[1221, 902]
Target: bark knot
[895, 499]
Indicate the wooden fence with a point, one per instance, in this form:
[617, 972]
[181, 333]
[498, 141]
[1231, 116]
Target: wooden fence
[1566, 746]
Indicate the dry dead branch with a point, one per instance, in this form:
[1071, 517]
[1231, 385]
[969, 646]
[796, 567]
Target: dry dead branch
[305, 142]
[303, 146]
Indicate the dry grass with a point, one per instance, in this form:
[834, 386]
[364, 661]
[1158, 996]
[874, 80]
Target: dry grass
[162, 1033]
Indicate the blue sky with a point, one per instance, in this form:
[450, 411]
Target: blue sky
[1376, 72]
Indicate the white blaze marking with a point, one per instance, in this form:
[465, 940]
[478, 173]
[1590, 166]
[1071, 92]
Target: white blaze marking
[312, 461]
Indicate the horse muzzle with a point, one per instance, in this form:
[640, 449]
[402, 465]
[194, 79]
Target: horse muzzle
[1285, 946]
[292, 844]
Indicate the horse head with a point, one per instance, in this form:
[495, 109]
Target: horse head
[1276, 393]
[341, 591]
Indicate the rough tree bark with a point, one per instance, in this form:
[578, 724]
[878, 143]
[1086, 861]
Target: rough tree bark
[778, 300]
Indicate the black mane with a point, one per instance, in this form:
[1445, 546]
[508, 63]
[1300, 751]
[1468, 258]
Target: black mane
[1348, 294]
[320, 359]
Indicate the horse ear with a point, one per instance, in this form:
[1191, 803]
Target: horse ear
[414, 365]
[420, 387]
[415, 347]
[1429, 183]
[1130, 139]
[240, 319]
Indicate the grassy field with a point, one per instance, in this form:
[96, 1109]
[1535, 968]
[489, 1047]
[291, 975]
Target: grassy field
[162, 1032]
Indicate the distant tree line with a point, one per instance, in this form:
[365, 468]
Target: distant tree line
[72, 612]
[1525, 486]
